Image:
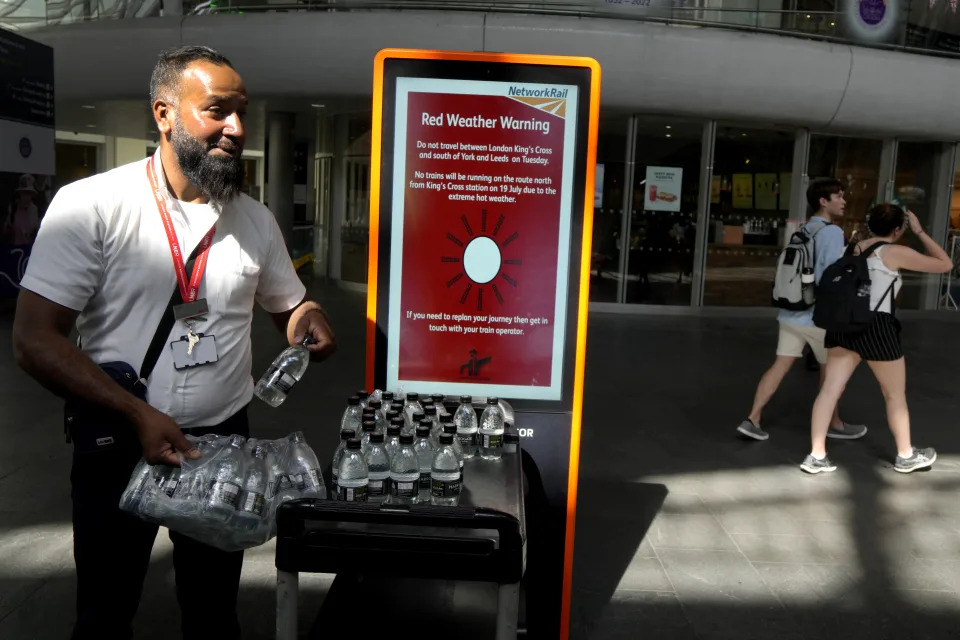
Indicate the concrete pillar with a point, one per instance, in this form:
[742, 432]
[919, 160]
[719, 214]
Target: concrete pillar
[280, 170]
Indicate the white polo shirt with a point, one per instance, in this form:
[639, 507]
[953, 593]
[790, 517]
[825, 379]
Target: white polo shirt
[102, 251]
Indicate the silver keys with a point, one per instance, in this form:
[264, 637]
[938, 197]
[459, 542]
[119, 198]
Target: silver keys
[192, 340]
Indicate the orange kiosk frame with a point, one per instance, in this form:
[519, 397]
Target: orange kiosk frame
[549, 421]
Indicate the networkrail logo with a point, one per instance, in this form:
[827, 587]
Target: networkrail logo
[553, 100]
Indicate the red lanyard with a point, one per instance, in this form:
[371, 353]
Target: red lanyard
[187, 292]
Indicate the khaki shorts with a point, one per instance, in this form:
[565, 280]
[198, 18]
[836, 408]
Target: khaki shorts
[794, 336]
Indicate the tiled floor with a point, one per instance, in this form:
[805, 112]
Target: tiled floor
[684, 531]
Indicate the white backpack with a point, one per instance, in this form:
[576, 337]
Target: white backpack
[795, 257]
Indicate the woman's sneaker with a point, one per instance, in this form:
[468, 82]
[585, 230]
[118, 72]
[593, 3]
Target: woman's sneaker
[751, 430]
[812, 465]
[919, 459]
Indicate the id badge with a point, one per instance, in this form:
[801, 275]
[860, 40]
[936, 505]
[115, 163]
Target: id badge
[204, 352]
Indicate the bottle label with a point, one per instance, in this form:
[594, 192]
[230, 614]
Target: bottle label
[491, 441]
[403, 488]
[376, 488]
[311, 480]
[252, 502]
[467, 440]
[280, 380]
[352, 494]
[224, 493]
[445, 488]
[425, 480]
[170, 486]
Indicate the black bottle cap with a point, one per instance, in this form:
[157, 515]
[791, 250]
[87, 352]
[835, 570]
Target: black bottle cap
[466, 399]
[353, 401]
[413, 396]
[387, 396]
[368, 411]
[446, 438]
[492, 400]
[449, 428]
[394, 430]
[353, 443]
[375, 404]
[392, 415]
[511, 437]
[346, 434]
[423, 432]
[418, 416]
[437, 398]
[406, 438]
[430, 410]
[362, 394]
[396, 422]
[446, 419]
[426, 422]
[369, 426]
[376, 438]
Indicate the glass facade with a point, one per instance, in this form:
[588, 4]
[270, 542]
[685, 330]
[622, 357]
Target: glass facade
[749, 205]
[678, 237]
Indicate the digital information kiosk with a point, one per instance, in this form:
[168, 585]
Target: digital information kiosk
[481, 214]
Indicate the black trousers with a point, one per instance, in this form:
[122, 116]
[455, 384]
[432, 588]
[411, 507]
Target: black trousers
[111, 549]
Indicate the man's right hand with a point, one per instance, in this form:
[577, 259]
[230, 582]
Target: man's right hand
[161, 439]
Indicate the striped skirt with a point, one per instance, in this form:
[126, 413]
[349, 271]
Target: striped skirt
[880, 342]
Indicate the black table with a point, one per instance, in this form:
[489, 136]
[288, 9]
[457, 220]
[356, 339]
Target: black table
[483, 539]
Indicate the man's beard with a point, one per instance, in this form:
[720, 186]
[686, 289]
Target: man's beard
[218, 177]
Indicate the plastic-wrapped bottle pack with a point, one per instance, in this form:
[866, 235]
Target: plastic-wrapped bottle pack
[228, 497]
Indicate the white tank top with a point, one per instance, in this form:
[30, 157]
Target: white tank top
[880, 278]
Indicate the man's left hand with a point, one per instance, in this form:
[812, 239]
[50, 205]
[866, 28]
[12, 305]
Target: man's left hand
[312, 322]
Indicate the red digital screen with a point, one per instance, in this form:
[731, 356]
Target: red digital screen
[484, 238]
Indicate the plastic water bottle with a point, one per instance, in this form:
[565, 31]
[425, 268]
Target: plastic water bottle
[351, 415]
[345, 435]
[144, 477]
[364, 396]
[392, 443]
[378, 468]
[387, 399]
[411, 407]
[438, 403]
[392, 415]
[253, 499]
[451, 430]
[287, 369]
[445, 482]
[353, 477]
[369, 428]
[304, 468]
[412, 427]
[425, 453]
[221, 502]
[466, 420]
[380, 416]
[430, 415]
[404, 473]
[491, 430]
[511, 441]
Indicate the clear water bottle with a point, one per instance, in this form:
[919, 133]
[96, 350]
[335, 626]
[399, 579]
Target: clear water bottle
[451, 429]
[378, 468]
[392, 415]
[430, 415]
[412, 427]
[369, 428]
[438, 403]
[387, 399]
[404, 473]
[351, 415]
[445, 482]
[353, 477]
[345, 435]
[491, 430]
[807, 285]
[253, 499]
[376, 395]
[304, 468]
[411, 406]
[425, 452]
[511, 441]
[392, 443]
[466, 420]
[364, 396]
[287, 369]
[380, 416]
[131, 499]
[221, 501]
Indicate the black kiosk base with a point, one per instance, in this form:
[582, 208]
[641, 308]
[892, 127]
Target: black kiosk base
[377, 550]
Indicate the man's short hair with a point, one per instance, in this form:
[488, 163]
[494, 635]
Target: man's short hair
[822, 188]
[165, 79]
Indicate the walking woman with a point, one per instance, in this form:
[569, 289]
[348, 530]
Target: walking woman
[879, 344]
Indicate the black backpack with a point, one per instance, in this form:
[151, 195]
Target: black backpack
[843, 295]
